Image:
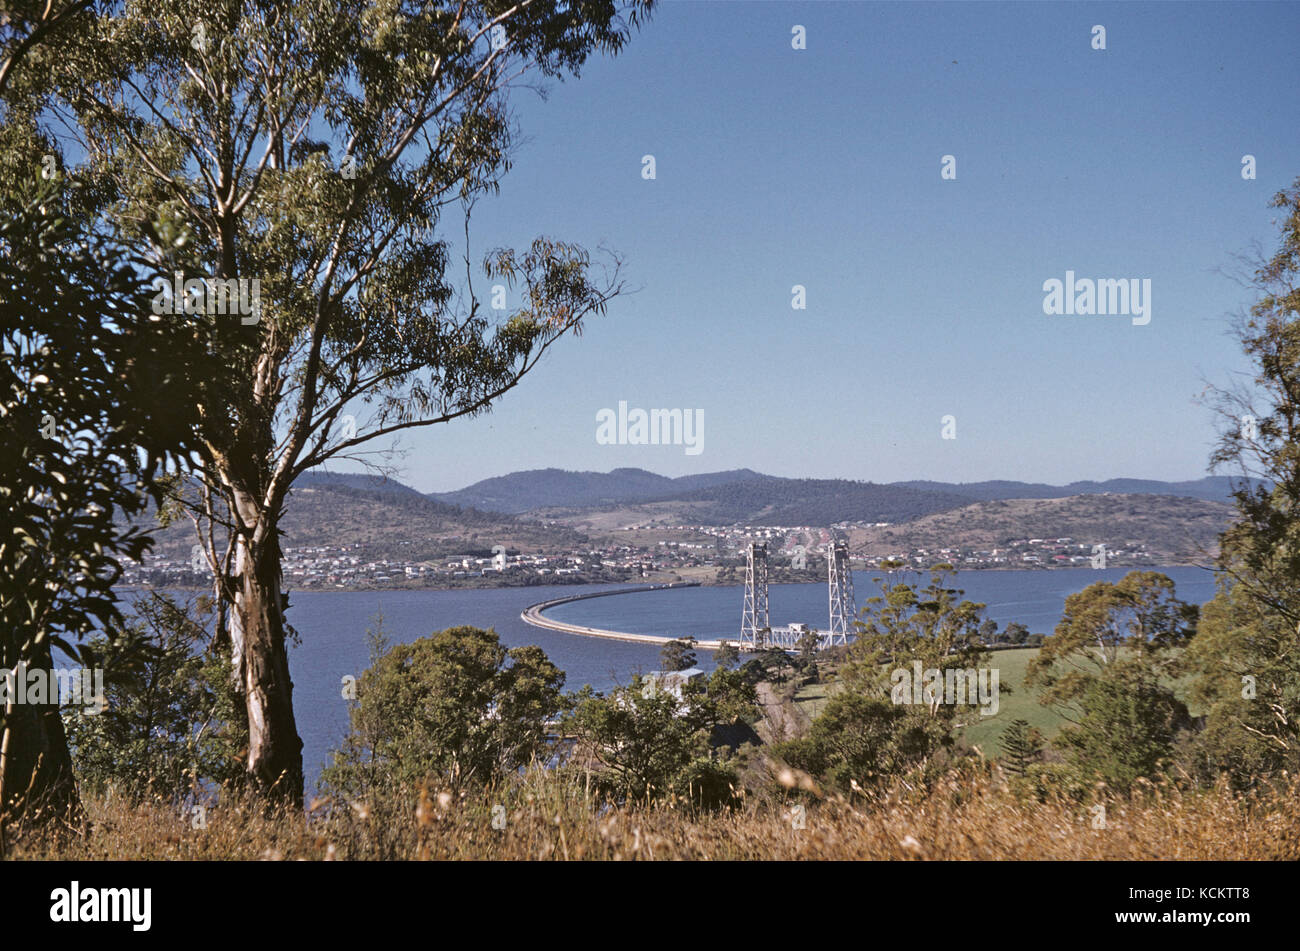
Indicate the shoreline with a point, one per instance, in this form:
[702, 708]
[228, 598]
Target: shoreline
[702, 584]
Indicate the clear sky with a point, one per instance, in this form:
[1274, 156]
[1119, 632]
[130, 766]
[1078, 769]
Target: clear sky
[821, 167]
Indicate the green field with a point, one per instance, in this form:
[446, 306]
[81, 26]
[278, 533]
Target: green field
[1015, 702]
[1019, 703]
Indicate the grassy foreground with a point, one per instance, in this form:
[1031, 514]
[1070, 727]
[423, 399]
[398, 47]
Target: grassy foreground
[974, 818]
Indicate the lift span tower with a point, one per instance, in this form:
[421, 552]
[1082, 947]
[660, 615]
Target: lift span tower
[756, 631]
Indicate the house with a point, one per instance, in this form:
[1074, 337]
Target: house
[671, 681]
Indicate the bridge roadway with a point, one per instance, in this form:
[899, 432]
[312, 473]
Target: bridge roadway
[533, 615]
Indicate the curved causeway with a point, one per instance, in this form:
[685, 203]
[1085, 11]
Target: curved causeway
[533, 615]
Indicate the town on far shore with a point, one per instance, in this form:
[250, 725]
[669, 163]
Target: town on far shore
[704, 553]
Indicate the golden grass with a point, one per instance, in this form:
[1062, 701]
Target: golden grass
[548, 818]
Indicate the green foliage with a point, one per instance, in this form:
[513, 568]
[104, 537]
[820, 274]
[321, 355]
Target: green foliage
[732, 696]
[1022, 745]
[644, 742]
[708, 785]
[862, 735]
[769, 663]
[1139, 614]
[455, 705]
[639, 738]
[172, 725]
[906, 624]
[1015, 633]
[86, 381]
[1129, 726]
[192, 126]
[1107, 671]
[357, 295]
[1253, 725]
[678, 654]
[1248, 685]
[906, 621]
[867, 740]
[807, 646]
[1056, 780]
[726, 657]
[95, 406]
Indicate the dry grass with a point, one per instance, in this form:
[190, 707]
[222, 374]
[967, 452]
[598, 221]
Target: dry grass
[549, 818]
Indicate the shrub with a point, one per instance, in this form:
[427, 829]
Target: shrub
[456, 705]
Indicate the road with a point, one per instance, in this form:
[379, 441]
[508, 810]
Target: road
[533, 615]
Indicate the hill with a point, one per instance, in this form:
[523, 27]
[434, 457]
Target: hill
[1174, 530]
[389, 520]
[353, 480]
[770, 500]
[1211, 488]
[521, 492]
[745, 496]
[386, 519]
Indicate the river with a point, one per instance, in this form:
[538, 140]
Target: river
[333, 626]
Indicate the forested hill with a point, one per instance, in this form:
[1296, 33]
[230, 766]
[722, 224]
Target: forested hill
[388, 519]
[543, 488]
[775, 501]
[745, 496]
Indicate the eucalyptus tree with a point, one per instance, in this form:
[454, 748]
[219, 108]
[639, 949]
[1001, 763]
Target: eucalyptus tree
[1247, 656]
[79, 372]
[315, 156]
[96, 406]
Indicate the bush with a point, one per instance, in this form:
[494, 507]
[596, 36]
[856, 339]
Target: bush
[455, 705]
[867, 740]
[709, 785]
[643, 743]
[639, 740]
[172, 723]
[1128, 729]
[1046, 782]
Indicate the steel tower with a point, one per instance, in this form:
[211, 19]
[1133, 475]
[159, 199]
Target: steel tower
[754, 625]
[844, 607]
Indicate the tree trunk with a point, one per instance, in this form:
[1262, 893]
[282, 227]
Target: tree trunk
[36, 778]
[257, 633]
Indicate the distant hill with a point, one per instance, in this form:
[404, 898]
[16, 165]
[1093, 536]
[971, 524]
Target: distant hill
[546, 488]
[1175, 530]
[1211, 488]
[352, 480]
[774, 501]
[390, 519]
[745, 496]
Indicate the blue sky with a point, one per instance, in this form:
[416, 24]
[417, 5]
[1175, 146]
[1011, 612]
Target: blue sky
[821, 167]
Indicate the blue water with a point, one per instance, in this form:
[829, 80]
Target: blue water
[333, 626]
[1035, 598]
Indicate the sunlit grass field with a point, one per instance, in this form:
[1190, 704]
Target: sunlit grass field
[980, 817]
[1015, 702]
